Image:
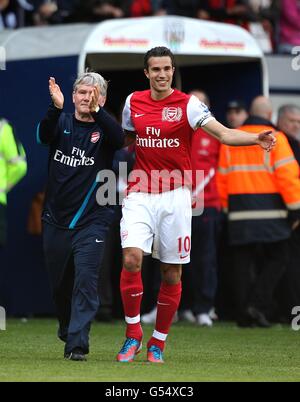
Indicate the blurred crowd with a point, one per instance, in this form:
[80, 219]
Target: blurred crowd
[274, 21]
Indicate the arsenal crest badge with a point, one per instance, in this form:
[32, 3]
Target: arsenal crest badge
[95, 137]
[205, 142]
[172, 114]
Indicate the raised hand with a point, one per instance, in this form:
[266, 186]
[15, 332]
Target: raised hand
[97, 99]
[94, 102]
[267, 140]
[56, 94]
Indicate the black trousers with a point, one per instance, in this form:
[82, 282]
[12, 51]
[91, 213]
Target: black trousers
[73, 259]
[258, 268]
[288, 292]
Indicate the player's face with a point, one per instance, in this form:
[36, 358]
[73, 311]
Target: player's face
[160, 73]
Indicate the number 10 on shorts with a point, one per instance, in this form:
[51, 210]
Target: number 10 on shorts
[184, 245]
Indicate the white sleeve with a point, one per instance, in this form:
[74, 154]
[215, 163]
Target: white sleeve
[198, 113]
[126, 115]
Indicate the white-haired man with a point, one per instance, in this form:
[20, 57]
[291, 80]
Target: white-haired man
[74, 225]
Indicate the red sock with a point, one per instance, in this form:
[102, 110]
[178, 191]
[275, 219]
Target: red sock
[131, 286]
[167, 305]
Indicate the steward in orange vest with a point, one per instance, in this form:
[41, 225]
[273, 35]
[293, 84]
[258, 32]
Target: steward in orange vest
[259, 189]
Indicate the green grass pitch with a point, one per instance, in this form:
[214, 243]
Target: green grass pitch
[31, 352]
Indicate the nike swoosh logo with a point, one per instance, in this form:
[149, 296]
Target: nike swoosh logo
[163, 304]
[139, 115]
[99, 241]
[67, 132]
[183, 257]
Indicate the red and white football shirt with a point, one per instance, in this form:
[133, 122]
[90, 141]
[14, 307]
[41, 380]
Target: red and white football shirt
[164, 131]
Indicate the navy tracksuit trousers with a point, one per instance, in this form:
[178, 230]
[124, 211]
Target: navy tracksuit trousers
[73, 259]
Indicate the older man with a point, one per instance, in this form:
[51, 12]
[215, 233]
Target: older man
[289, 123]
[74, 225]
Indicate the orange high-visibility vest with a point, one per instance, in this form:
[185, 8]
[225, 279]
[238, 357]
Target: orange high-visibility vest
[257, 188]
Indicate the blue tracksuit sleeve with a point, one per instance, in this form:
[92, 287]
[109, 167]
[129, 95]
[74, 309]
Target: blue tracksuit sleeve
[112, 129]
[47, 129]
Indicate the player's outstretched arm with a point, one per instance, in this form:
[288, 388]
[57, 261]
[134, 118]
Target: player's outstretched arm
[265, 139]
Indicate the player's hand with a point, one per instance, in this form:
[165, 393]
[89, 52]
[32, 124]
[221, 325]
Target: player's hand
[267, 140]
[56, 94]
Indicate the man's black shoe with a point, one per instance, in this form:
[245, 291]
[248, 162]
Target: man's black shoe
[258, 317]
[76, 355]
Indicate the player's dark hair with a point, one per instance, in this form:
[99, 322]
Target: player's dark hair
[159, 51]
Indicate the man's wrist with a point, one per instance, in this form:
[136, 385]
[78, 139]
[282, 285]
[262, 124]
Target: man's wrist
[96, 110]
[58, 107]
[55, 107]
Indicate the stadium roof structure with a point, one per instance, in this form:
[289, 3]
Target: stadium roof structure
[188, 38]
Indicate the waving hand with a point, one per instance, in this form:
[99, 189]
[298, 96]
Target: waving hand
[56, 94]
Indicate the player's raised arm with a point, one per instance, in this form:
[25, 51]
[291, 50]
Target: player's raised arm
[234, 137]
[46, 130]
